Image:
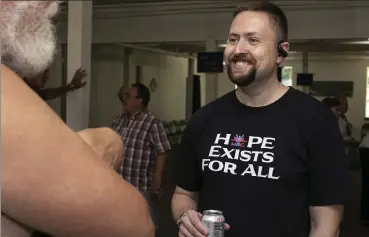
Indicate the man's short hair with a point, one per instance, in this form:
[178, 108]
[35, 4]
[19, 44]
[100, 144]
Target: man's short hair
[121, 93]
[331, 102]
[143, 93]
[273, 11]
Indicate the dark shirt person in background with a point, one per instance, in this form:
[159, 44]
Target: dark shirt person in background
[339, 107]
[334, 104]
[38, 83]
[343, 122]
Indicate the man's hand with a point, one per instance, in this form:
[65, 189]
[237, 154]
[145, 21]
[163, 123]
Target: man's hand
[106, 143]
[159, 170]
[78, 79]
[155, 189]
[190, 225]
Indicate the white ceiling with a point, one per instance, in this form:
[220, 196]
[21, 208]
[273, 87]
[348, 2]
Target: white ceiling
[328, 46]
[118, 2]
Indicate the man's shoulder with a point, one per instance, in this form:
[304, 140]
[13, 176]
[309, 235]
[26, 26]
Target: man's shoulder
[306, 109]
[304, 103]
[151, 117]
[216, 105]
[304, 98]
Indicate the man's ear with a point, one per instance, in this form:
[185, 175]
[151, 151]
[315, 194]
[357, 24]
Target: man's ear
[141, 100]
[283, 48]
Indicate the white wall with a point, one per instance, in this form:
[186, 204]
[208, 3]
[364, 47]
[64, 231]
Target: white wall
[106, 79]
[167, 101]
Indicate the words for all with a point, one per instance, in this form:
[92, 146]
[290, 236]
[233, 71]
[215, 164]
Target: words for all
[230, 168]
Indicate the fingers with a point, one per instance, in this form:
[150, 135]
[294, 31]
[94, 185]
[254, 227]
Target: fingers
[81, 69]
[191, 226]
[81, 72]
[194, 217]
[184, 232]
[226, 226]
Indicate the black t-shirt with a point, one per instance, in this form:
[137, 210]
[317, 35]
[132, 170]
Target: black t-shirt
[264, 166]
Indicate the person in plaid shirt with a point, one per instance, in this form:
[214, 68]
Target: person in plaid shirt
[146, 144]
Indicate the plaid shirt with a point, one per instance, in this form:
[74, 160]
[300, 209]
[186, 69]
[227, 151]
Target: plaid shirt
[144, 137]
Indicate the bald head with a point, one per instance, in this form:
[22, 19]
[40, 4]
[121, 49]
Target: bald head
[27, 35]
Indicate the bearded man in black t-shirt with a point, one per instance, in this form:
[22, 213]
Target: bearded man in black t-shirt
[271, 158]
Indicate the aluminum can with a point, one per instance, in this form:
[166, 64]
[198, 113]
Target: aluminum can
[214, 221]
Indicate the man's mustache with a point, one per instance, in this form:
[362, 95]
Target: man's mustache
[243, 57]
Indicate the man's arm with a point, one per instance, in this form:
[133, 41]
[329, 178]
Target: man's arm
[325, 220]
[107, 144]
[328, 172]
[76, 83]
[187, 174]
[160, 166]
[48, 171]
[53, 93]
[161, 143]
[183, 201]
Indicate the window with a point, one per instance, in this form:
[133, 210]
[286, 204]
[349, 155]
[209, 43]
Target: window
[287, 76]
[367, 94]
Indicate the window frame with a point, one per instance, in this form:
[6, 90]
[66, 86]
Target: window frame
[366, 109]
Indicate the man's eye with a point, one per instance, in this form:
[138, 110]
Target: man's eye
[232, 41]
[253, 41]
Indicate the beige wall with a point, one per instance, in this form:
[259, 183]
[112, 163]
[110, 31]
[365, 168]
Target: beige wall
[167, 101]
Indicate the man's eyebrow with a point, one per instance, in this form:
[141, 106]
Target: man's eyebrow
[248, 34]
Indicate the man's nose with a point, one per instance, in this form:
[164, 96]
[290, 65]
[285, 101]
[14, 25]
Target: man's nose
[242, 47]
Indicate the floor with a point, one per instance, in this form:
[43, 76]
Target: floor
[351, 226]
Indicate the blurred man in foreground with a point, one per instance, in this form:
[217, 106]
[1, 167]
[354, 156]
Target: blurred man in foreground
[54, 179]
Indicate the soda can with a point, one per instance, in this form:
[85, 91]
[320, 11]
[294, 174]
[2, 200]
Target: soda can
[214, 221]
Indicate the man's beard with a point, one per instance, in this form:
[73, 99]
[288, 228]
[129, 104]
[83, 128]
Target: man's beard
[242, 80]
[27, 37]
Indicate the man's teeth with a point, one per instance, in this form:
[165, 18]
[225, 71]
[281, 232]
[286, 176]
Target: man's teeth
[241, 63]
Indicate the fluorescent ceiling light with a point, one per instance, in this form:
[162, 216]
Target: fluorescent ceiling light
[356, 42]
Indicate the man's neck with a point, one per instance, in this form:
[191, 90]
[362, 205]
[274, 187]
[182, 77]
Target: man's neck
[133, 112]
[262, 93]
